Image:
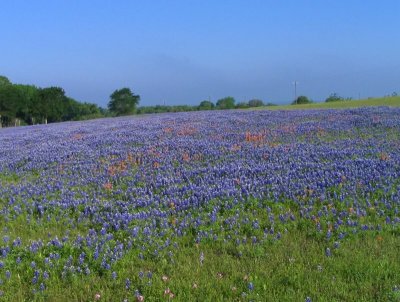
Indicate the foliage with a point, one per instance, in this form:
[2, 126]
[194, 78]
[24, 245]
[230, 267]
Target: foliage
[256, 103]
[10, 103]
[165, 109]
[226, 103]
[301, 100]
[32, 105]
[206, 105]
[4, 81]
[334, 97]
[375, 102]
[242, 105]
[50, 103]
[123, 102]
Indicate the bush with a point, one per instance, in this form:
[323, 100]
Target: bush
[334, 97]
[302, 100]
[226, 103]
[242, 105]
[256, 103]
[206, 105]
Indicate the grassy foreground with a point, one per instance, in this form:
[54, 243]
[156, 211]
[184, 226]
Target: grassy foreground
[295, 268]
[385, 101]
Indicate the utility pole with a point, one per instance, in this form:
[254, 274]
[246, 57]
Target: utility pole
[295, 91]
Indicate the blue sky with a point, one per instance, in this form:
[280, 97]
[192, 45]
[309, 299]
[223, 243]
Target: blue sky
[182, 52]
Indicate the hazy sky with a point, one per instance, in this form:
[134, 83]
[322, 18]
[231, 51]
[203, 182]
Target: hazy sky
[182, 52]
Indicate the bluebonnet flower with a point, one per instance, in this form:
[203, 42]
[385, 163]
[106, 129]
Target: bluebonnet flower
[45, 275]
[250, 286]
[328, 252]
[42, 287]
[221, 174]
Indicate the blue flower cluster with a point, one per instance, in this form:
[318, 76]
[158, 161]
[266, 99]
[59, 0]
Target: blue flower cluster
[100, 189]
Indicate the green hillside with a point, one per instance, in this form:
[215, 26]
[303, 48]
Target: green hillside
[385, 101]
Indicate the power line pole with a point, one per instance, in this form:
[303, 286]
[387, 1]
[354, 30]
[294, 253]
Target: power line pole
[295, 91]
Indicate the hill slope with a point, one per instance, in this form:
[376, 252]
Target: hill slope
[386, 101]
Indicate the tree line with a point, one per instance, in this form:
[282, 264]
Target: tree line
[28, 104]
[333, 97]
[223, 103]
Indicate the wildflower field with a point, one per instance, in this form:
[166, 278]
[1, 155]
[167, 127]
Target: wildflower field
[203, 206]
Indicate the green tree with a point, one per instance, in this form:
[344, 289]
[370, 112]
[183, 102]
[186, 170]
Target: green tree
[87, 111]
[256, 103]
[301, 100]
[10, 104]
[334, 97]
[4, 81]
[28, 101]
[32, 105]
[123, 102]
[242, 105]
[51, 104]
[226, 103]
[71, 110]
[206, 105]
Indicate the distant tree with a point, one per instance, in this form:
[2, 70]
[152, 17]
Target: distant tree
[4, 81]
[242, 105]
[334, 97]
[9, 103]
[123, 102]
[30, 105]
[72, 110]
[87, 111]
[394, 93]
[206, 105]
[29, 97]
[256, 103]
[51, 103]
[301, 100]
[226, 103]
[270, 104]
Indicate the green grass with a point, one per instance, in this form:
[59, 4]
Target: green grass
[364, 268]
[385, 101]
